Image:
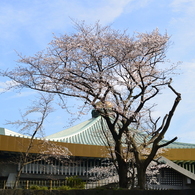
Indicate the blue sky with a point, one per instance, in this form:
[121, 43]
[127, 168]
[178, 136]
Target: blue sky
[28, 26]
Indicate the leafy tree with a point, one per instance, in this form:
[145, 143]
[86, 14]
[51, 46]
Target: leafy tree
[99, 64]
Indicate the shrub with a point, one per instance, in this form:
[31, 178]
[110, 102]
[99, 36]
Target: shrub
[36, 187]
[64, 188]
[75, 182]
[43, 188]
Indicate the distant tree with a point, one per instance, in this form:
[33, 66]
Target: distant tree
[99, 64]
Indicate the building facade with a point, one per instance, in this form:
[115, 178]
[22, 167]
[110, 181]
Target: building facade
[87, 147]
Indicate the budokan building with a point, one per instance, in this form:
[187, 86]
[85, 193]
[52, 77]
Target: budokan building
[86, 152]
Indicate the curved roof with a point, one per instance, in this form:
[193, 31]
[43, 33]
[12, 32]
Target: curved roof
[90, 133]
[178, 144]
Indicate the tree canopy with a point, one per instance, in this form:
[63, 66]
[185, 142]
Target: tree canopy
[100, 64]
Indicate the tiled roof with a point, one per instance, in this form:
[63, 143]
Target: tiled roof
[89, 133]
[179, 145]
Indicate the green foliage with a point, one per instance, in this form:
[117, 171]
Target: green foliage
[64, 188]
[36, 187]
[71, 183]
[75, 182]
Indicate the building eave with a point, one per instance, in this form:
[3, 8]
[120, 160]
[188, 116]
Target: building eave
[177, 168]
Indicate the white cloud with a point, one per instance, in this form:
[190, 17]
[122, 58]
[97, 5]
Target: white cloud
[106, 12]
[182, 22]
[182, 5]
[39, 19]
[4, 86]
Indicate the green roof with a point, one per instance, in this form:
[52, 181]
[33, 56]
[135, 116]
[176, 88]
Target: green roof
[89, 133]
[178, 144]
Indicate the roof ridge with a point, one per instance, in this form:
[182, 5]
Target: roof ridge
[86, 125]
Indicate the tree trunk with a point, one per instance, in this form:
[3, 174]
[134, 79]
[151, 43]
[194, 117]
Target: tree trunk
[132, 177]
[122, 172]
[18, 177]
[122, 166]
[141, 176]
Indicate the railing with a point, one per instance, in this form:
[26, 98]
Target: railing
[57, 168]
[25, 184]
[53, 184]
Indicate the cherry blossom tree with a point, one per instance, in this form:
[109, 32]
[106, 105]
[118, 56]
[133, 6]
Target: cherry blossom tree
[107, 173]
[100, 64]
[33, 127]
